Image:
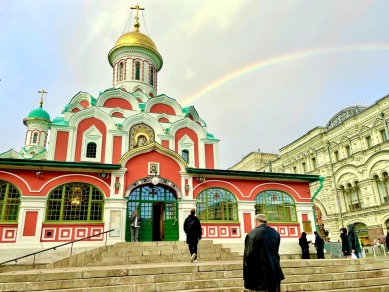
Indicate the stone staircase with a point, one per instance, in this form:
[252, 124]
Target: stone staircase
[124, 253]
[165, 266]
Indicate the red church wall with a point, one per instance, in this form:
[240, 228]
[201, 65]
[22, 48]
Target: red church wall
[82, 127]
[8, 233]
[118, 115]
[30, 223]
[118, 102]
[247, 190]
[30, 185]
[209, 157]
[290, 230]
[162, 109]
[84, 103]
[165, 143]
[222, 230]
[70, 232]
[186, 131]
[61, 146]
[138, 167]
[117, 149]
[248, 222]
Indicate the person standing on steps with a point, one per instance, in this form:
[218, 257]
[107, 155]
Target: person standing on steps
[353, 241]
[135, 226]
[192, 228]
[345, 246]
[304, 244]
[319, 245]
[261, 261]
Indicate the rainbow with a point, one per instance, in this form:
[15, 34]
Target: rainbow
[278, 60]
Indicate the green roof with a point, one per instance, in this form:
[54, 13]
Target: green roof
[39, 113]
[58, 164]
[252, 174]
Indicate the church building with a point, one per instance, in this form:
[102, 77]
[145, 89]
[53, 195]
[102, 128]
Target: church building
[132, 148]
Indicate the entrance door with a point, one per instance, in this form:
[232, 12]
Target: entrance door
[157, 206]
[158, 221]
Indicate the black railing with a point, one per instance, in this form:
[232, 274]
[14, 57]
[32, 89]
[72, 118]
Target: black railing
[55, 247]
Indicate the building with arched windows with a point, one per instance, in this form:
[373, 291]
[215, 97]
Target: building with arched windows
[134, 149]
[352, 153]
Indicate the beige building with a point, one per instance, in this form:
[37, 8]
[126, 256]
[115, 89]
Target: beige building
[352, 153]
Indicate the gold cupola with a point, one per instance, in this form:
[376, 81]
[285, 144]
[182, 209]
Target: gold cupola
[136, 39]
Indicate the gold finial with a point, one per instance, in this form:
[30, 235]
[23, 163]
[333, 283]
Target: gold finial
[42, 92]
[136, 25]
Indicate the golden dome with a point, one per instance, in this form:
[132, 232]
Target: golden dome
[136, 38]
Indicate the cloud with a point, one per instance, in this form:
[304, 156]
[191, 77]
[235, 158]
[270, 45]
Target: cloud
[189, 74]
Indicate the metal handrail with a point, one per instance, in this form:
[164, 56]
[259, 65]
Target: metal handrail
[55, 247]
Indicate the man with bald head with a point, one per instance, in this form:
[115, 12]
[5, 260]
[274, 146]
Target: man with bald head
[261, 261]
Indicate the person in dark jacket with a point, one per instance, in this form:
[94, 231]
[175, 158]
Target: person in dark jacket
[261, 261]
[387, 241]
[304, 244]
[192, 228]
[344, 239]
[319, 245]
[353, 241]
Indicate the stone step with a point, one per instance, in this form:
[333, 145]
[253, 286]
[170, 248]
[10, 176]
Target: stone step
[140, 252]
[329, 285]
[218, 276]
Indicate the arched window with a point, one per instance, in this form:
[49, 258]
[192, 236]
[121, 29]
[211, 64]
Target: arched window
[383, 187]
[185, 155]
[9, 201]
[121, 71]
[217, 204]
[137, 70]
[91, 150]
[35, 138]
[276, 205]
[352, 196]
[151, 75]
[75, 202]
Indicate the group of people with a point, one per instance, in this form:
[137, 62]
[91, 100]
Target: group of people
[261, 261]
[349, 238]
[318, 243]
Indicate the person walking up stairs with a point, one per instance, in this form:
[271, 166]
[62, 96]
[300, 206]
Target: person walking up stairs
[192, 228]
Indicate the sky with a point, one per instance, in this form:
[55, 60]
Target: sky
[260, 73]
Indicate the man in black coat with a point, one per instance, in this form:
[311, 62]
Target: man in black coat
[319, 245]
[304, 244]
[261, 261]
[192, 228]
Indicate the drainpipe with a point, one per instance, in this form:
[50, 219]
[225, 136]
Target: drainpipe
[321, 179]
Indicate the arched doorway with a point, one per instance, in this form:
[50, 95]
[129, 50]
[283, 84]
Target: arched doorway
[158, 208]
[362, 231]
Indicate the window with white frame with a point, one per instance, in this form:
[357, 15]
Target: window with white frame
[352, 195]
[382, 184]
[35, 138]
[186, 148]
[137, 70]
[91, 146]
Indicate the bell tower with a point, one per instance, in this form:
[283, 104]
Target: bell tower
[135, 61]
[38, 124]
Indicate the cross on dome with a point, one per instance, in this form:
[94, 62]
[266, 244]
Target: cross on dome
[42, 92]
[136, 25]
